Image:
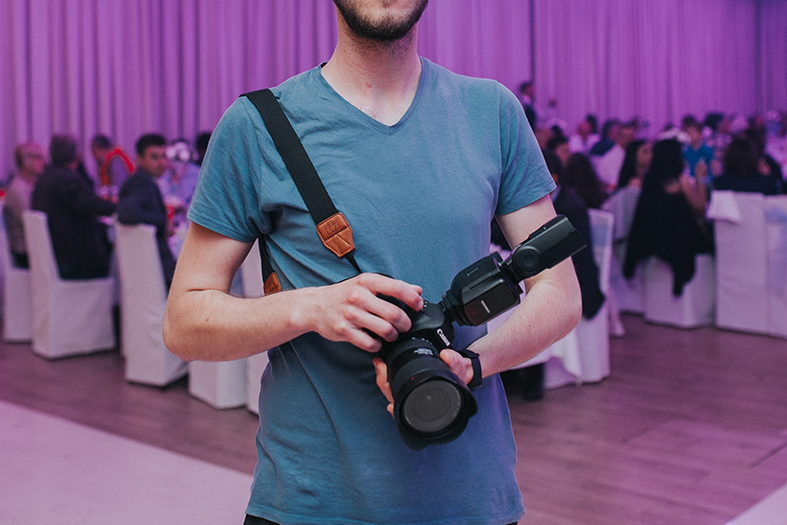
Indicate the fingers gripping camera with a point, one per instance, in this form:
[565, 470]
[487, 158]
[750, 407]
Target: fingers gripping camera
[431, 404]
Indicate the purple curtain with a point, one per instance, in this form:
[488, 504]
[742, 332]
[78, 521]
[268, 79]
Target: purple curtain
[654, 59]
[127, 67]
[772, 68]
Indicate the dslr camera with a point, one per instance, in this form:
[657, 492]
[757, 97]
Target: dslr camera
[431, 404]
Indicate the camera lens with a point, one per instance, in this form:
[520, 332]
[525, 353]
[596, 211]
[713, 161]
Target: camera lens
[432, 406]
[430, 402]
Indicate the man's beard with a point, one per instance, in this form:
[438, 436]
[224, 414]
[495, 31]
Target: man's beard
[388, 29]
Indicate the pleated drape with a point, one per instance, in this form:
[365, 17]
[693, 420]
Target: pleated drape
[127, 67]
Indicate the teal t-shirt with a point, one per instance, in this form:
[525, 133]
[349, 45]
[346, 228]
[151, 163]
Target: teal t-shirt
[419, 196]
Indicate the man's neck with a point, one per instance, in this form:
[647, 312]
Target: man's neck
[379, 78]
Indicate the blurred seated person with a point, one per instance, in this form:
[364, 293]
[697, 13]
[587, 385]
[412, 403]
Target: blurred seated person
[530, 380]
[609, 163]
[79, 240]
[696, 151]
[585, 136]
[607, 139]
[559, 145]
[201, 145]
[669, 222]
[114, 164]
[639, 154]
[745, 171]
[30, 163]
[140, 201]
[178, 183]
[580, 175]
[568, 203]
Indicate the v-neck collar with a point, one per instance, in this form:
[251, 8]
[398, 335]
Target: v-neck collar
[383, 128]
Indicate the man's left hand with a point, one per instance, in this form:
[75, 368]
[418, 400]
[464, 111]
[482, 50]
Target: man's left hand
[461, 366]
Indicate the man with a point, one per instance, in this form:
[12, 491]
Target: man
[79, 240]
[114, 164]
[419, 161]
[140, 202]
[178, 183]
[31, 163]
[201, 145]
[609, 163]
[527, 91]
[698, 155]
[585, 137]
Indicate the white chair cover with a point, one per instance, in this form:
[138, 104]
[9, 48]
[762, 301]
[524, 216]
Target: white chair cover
[565, 351]
[142, 301]
[219, 384]
[776, 229]
[236, 383]
[251, 271]
[628, 295]
[694, 308]
[69, 317]
[741, 261]
[592, 335]
[17, 310]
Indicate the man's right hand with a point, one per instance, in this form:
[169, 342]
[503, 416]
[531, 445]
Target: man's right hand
[347, 310]
[204, 321]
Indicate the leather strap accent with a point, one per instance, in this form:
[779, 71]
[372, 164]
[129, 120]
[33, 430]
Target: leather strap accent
[336, 234]
[272, 284]
[332, 227]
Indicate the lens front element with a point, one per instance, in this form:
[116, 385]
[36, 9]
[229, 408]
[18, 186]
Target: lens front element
[432, 406]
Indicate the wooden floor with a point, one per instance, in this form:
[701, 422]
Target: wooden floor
[690, 428]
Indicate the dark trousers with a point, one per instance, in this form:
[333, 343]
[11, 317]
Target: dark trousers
[253, 520]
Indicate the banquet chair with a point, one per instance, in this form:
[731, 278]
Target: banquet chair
[628, 294]
[256, 364]
[564, 353]
[230, 384]
[741, 260]
[696, 305]
[592, 335]
[17, 310]
[70, 317]
[776, 242]
[142, 300]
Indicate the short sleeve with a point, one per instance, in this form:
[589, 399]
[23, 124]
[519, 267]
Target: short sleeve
[226, 198]
[525, 177]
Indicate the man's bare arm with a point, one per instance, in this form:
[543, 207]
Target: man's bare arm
[203, 321]
[551, 309]
[552, 306]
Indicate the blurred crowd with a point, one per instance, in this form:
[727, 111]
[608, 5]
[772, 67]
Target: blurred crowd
[153, 186]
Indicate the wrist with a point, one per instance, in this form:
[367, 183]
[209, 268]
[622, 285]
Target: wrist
[475, 360]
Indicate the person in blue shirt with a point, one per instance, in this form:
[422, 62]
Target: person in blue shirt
[419, 160]
[698, 155]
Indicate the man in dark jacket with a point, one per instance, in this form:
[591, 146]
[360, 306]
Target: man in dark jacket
[140, 202]
[79, 240]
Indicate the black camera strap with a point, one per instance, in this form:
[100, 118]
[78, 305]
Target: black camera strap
[332, 226]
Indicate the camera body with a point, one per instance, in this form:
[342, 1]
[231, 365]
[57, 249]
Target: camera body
[431, 404]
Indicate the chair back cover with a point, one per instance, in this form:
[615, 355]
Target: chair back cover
[776, 230]
[69, 316]
[143, 299]
[251, 270]
[741, 260]
[593, 334]
[17, 310]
